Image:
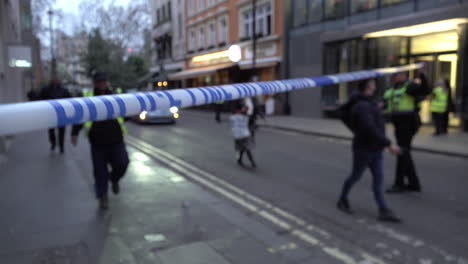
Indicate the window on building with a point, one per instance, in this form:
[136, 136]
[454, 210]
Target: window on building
[314, 9]
[300, 12]
[211, 2]
[362, 5]
[392, 2]
[247, 24]
[169, 10]
[212, 35]
[201, 5]
[190, 6]
[201, 38]
[180, 25]
[223, 31]
[158, 16]
[163, 8]
[263, 26]
[192, 40]
[335, 8]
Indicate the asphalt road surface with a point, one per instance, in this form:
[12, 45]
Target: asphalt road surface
[301, 176]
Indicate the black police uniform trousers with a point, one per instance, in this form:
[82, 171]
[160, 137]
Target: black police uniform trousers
[114, 156]
[61, 137]
[406, 126]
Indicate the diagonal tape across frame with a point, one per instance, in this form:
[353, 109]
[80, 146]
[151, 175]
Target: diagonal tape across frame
[30, 116]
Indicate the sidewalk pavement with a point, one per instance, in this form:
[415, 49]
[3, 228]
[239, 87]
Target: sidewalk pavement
[49, 215]
[454, 144]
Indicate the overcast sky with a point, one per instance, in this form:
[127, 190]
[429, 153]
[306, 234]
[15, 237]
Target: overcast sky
[71, 7]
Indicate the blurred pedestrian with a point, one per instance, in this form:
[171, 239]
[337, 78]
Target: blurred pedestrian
[253, 112]
[365, 119]
[52, 91]
[32, 95]
[218, 109]
[441, 106]
[241, 133]
[108, 151]
[402, 102]
[270, 106]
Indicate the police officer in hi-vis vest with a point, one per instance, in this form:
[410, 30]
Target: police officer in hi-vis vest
[441, 106]
[107, 146]
[402, 104]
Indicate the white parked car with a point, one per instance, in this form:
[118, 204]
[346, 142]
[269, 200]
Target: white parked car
[168, 116]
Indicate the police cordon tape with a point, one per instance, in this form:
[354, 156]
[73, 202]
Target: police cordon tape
[30, 116]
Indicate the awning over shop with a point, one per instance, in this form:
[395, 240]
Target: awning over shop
[260, 63]
[197, 72]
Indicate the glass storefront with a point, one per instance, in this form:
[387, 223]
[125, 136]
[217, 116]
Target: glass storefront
[362, 5]
[438, 51]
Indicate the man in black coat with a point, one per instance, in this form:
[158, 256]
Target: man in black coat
[108, 151]
[55, 91]
[367, 123]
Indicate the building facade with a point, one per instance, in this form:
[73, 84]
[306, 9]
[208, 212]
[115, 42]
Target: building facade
[17, 44]
[332, 36]
[168, 35]
[219, 38]
[69, 50]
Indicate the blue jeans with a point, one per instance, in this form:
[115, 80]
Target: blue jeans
[362, 160]
[114, 155]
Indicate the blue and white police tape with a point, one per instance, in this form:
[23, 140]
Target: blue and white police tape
[30, 116]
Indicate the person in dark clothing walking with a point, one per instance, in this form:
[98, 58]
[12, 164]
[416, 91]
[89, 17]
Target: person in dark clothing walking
[107, 146]
[55, 91]
[402, 102]
[218, 108]
[367, 123]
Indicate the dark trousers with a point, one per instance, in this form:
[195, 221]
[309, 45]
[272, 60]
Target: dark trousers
[61, 135]
[445, 122]
[218, 109]
[439, 123]
[114, 155]
[242, 146]
[361, 161]
[406, 127]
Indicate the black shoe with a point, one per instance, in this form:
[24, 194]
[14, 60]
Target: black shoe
[115, 187]
[104, 202]
[343, 206]
[62, 151]
[388, 216]
[52, 147]
[396, 189]
[253, 164]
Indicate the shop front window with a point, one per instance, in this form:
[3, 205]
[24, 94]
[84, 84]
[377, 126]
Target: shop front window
[362, 5]
[392, 2]
[335, 8]
[315, 11]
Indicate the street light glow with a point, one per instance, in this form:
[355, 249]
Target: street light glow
[235, 53]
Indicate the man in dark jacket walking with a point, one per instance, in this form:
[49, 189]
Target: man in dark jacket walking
[107, 146]
[55, 91]
[369, 140]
